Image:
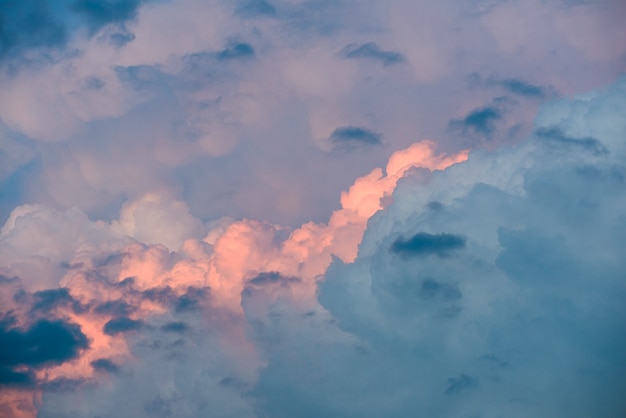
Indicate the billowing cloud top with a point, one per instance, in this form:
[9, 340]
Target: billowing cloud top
[183, 235]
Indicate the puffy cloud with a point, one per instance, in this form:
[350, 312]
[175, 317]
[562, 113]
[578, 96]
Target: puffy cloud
[521, 313]
[239, 101]
[156, 273]
[442, 291]
[170, 212]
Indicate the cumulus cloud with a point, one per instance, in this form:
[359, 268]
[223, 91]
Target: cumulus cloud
[438, 292]
[120, 291]
[172, 240]
[522, 311]
[241, 99]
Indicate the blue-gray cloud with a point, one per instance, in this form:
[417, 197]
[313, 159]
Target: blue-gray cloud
[555, 136]
[513, 85]
[371, 51]
[105, 365]
[176, 326]
[256, 8]
[28, 25]
[230, 117]
[114, 308]
[46, 300]
[121, 325]
[350, 137]
[237, 51]
[534, 295]
[44, 342]
[98, 13]
[424, 243]
[523, 88]
[480, 121]
[50, 24]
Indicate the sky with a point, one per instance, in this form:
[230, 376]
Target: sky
[312, 208]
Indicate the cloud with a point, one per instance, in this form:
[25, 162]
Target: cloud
[424, 243]
[523, 88]
[173, 195]
[236, 51]
[105, 365]
[122, 324]
[457, 384]
[350, 137]
[473, 334]
[47, 24]
[556, 137]
[126, 290]
[27, 25]
[479, 121]
[100, 13]
[516, 86]
[256, 8]
[496, 280]
[45, 342]
[371, 51]
[175, 327]
[114, 308]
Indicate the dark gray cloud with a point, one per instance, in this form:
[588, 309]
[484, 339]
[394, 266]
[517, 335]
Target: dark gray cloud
[45, 342]
[121, 325]
[46, 300]
[479, 121]
[50, 24]
[191, 300]
[371, 51]
[271, 277]
[523, 88]
[435, 206]
[105, 365]
[98, 13]
[555, 136]
[114, 308]
[163, 295]
[424, 243]
[516, 86]
[10, 377]
[29, 24]
[237, 51]
[351, 137]
[62, 384]
[176, 326]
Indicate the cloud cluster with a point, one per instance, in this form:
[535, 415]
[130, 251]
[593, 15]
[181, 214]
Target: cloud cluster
[157, 285]
[262, 95]
[491, 287]
[172, 245]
